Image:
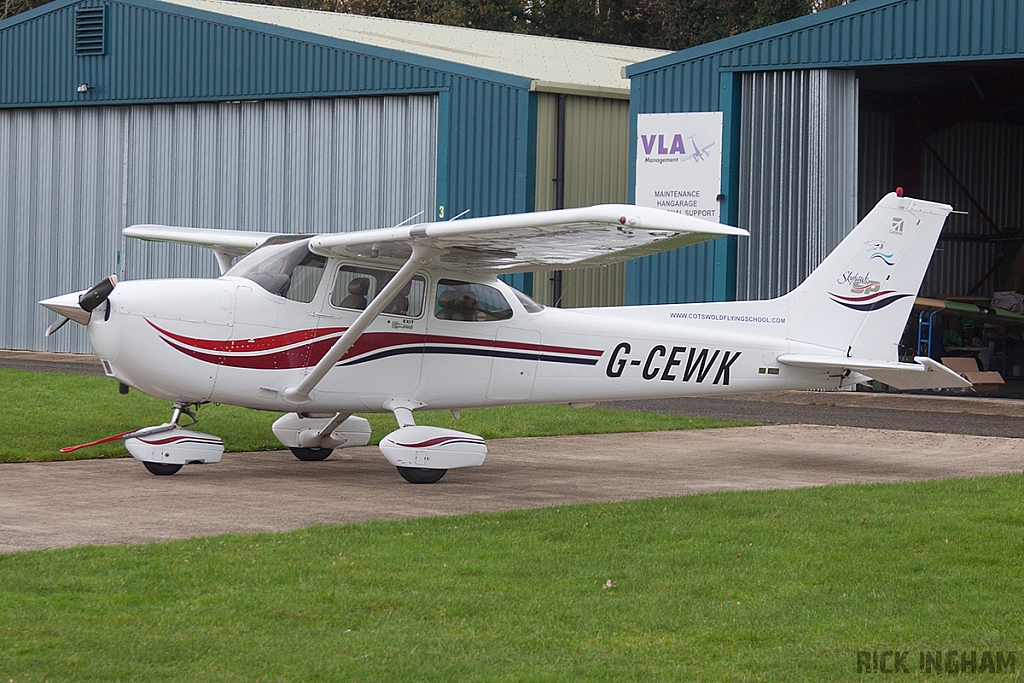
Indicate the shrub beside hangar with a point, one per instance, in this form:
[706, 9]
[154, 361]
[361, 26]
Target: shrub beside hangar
[823, 115]
[250, 117]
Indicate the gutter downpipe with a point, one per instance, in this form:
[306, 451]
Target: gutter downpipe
[556, 276]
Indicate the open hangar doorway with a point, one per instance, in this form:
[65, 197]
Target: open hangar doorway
[954, 133]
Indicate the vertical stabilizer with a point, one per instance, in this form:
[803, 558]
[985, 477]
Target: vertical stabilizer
[859, 299]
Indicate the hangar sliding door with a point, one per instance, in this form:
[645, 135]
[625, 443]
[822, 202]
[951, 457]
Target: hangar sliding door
[61, 192]
[797, 175]
[332, 165]
[71, 179]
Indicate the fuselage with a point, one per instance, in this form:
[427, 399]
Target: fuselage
[230, 340]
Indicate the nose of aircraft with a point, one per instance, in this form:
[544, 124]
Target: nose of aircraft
[78, 306]
[67, 306]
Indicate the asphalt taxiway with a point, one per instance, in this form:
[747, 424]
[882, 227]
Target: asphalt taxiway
[808, 439]
[61, 504]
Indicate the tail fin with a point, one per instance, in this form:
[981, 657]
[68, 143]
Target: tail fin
[859, 298]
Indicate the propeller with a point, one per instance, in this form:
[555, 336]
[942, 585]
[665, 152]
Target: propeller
[78, 306]
[97, 294]
[56, 325]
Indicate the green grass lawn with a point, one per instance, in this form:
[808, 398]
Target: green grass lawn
[44, 412]
[759, 586]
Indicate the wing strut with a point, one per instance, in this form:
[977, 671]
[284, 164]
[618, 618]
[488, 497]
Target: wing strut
[299, 394]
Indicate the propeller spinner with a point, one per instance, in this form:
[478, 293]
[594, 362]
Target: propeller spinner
[78, 306]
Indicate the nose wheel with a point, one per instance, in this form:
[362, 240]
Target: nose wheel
[161, 469]
[165, 448]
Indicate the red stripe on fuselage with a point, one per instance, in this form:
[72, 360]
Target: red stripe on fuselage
[262, 354]
[370, 341]
[289, 359]
[270, 343]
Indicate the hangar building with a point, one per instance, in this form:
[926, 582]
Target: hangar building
[220, 114]
[825, 114]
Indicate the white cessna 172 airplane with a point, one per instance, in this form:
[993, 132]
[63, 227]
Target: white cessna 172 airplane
[410, 317]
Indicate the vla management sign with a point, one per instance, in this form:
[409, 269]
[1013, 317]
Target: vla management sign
[679, 163]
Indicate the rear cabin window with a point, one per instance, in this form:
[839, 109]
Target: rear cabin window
[470, 302]
[287, 269]
[355, 287]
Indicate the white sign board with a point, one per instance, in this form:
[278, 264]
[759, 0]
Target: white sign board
[679, 163]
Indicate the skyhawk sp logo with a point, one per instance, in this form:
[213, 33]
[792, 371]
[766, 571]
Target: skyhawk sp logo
[859, 284]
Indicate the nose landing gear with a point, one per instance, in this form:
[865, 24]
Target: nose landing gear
[165, 448]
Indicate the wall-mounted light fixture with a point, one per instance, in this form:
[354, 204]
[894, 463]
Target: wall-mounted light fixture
[84, 87]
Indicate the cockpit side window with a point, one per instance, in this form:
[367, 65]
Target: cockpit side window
[470, 301]
[356, 286]
[306, 278]
[288, 269]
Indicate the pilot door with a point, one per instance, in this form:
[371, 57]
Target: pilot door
[386, 360]
[474, 349]
[274, 330]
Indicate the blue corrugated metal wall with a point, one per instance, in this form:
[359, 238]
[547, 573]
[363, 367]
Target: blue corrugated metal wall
[864, 33]
[161, 53]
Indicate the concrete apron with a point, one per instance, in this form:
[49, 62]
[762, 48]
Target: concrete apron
[64, 504]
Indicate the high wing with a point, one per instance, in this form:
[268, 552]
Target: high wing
[563, 239]
[226, 244]
[568, 238]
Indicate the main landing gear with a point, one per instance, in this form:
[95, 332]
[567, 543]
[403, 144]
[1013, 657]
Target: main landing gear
[311, 454]
[422, 455]
[421, 475]
[314, 436]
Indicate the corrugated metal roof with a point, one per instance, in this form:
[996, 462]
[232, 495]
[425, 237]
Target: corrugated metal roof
[554, 65]
[869, 32]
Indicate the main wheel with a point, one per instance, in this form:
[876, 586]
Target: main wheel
[311, 454]
[421, 475]
[161, 469]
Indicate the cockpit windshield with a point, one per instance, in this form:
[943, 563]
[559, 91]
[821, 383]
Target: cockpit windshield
[283, 268]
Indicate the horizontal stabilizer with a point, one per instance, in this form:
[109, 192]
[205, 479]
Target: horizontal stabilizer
[925, 373]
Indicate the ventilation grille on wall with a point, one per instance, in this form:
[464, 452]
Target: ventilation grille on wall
[89, 31]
